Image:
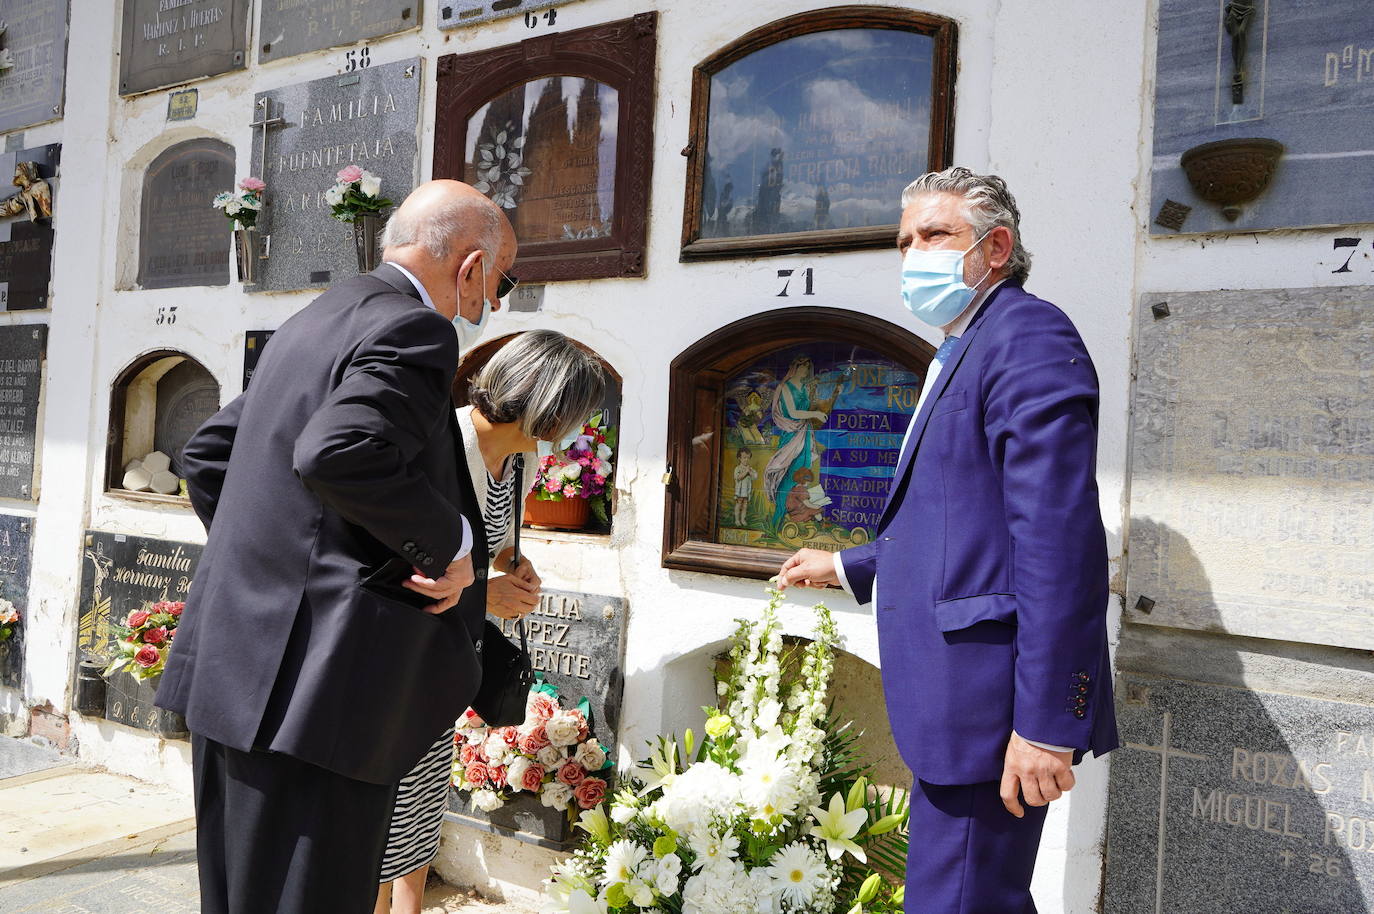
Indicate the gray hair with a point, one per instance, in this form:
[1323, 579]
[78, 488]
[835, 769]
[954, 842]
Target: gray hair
[542, 380]
[987, 204]
[437, 228]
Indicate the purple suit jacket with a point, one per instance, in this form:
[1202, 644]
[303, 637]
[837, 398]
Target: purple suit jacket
[992, 607]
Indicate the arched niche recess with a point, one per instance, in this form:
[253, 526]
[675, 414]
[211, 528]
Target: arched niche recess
[156, 405]
[182, 240]
[474, 361]
[784, 431]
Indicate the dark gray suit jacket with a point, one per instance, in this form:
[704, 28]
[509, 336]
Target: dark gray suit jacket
[342, 454]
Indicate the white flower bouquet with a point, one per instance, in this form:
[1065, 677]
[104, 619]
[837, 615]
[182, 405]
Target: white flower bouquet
[242, 204]
[773, 811]
[551, 755]
[356, 192]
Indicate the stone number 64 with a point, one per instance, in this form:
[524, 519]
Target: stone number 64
[532, 18]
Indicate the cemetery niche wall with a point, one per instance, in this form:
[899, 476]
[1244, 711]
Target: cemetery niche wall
[785, 430]
[303, 135]
[166, 44]
[26, 226]
[36, 38]
[1262, 112]
[558, 130]
[805, 131]
[182, 241]
[290, 27]
[23, 356]
[156, 405]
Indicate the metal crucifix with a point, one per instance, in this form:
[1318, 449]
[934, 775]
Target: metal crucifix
[1239, 15]
[264, 107]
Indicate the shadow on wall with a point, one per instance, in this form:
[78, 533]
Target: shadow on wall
[1210, 809]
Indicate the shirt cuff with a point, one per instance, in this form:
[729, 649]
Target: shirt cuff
[466, 546]
[839, 573]
[1048, 746]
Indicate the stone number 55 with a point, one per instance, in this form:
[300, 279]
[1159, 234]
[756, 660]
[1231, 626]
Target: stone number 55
[359, 59]
[166, 314]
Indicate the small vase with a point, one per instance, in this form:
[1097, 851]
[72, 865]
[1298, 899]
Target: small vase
[557, 513]
[247, 247]
[367, 230]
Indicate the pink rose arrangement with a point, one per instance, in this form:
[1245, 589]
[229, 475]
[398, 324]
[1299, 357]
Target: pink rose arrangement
[242, 204]
[580, 468]
[9, 618]
[357, 192]
[145, 639]
[552, 755]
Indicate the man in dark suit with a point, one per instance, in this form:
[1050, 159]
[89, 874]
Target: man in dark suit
[329, 632]
[989, 568]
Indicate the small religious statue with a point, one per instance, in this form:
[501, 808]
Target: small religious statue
[1239, 14]
[6, 55]
[34, 197]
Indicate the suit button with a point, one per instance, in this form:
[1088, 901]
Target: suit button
[408, 546]
[1079, 714]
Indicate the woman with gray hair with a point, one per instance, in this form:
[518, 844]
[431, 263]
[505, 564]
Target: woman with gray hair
[541, 386]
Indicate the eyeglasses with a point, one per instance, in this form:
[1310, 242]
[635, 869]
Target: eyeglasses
[506, 285]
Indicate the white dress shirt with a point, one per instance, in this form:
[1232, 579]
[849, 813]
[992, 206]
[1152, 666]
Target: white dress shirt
[466, 546]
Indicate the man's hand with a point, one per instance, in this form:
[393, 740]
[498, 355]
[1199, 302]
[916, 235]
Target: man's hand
[809, 568]
[1038, 773]
[516, 593]
[445, 590]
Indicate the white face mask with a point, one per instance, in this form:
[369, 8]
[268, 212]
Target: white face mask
[468, 332]
[933, 284]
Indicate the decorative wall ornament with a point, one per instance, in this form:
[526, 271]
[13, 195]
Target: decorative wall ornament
[1231, 173]
[34, 198]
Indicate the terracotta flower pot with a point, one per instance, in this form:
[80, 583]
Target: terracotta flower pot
[557, 514]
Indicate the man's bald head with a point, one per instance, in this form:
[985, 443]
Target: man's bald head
[444, 218]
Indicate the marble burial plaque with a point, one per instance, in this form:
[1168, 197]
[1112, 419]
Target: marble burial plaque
[1297, 71]
[119, 574]
[457, 13]
[36, 36]
[1252, 468]
[26, 245]
[167, 42]
[1224, 799]
[368, 118]
[577, 643]
[253, 344]
[187, 396]
[16, 543]
[290, 27]
[183, 241]
[22, 354]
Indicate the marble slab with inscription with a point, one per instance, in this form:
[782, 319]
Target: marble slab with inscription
[289, 27]
[182, 240]
[1224, 799]
[167, 43]
[26, 245]
[368, 118]
[1252, 466]
[458, 13]
[23, 353]
[16, 555]
[1307, 81]
[36, 35]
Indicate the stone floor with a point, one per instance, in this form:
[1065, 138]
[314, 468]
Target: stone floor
[79, 841]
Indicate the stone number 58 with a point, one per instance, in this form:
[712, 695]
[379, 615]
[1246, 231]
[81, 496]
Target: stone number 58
[166, 315]
[359, 59]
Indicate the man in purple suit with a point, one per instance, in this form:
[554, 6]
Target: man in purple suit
[989, 569]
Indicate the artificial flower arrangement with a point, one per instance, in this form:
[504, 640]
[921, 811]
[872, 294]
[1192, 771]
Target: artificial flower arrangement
[243, 204]
[144, 640]
[357, 193]
[551, 755]
[580, 467]
[773, 811]
[9, 618]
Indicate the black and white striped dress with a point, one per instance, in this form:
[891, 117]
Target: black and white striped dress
[418, 818]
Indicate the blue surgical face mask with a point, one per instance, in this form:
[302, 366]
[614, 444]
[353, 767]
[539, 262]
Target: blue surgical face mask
[933, 286]
[468, 332]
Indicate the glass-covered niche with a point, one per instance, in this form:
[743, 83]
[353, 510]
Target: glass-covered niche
[156, 405]
[785, 430]
[806, 131]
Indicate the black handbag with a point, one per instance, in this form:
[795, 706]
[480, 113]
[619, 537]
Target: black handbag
[507, 673]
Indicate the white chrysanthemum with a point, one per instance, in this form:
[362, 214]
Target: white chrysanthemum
[770, 788]
[713, 850]
[703, 792]
[623, 860]
[797, 873]
[727, 890]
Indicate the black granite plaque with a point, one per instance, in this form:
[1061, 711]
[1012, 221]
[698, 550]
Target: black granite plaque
[167, 42]
[25, 245]
[299, 26]
[119, 574]
[577, 644]
[22, 355]
[367, 118]
[1224, 799]
[16, 543]
[183, 241]
[253, 343]
[36, 36]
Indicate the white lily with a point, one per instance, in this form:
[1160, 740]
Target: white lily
[579, 902]
[837, 828]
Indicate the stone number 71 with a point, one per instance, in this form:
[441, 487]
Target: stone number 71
[808, 278]
[1352, 243]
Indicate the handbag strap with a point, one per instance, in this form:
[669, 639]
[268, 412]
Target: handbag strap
[517, 493]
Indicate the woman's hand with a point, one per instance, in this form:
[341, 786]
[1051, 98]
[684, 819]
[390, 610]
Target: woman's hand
[515, 593]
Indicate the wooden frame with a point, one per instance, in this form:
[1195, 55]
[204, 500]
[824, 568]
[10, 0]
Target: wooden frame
[944, 68]
[620, 55]
[696, 417]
